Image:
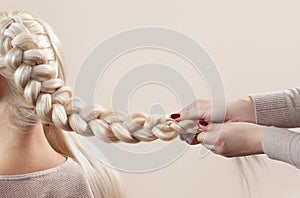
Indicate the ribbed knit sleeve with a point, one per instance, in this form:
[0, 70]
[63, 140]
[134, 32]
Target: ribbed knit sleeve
[282, 144]
[280, 109]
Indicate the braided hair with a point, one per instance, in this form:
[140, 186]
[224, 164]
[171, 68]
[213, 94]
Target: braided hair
[29, 60]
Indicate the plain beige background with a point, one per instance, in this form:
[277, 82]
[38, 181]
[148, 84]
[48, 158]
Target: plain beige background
[255, 44]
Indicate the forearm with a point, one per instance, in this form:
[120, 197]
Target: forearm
[282, 144]
[280, 109]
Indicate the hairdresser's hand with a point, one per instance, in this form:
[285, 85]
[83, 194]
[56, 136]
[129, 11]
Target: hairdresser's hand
[240, 110]
[231, 139]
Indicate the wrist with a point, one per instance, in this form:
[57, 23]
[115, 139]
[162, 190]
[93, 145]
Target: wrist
[258, 148]
[241, 110]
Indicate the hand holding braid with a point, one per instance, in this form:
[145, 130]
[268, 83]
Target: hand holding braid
[29, 59]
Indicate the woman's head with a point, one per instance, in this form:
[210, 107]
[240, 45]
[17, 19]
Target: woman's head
[31, 67]
[33, 91]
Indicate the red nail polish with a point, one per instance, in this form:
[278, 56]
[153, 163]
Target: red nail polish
[175, 115]
[203, 123]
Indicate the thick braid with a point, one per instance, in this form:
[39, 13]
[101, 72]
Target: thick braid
[28, 57]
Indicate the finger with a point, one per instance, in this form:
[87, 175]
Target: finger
[183, 136]
[192, 141]
[206, 126]
[208, 146]
[191, 106]
[203, 122]
[190, 112]
[175, 116]
[207, 138]
[211, 126]
[193, 114]
[189, 138]
[203, 128]
[203, 125]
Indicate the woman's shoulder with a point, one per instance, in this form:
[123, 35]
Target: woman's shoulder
[68, 167]
[65, 180]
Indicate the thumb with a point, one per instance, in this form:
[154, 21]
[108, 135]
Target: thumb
[201, 137]
[207, 137]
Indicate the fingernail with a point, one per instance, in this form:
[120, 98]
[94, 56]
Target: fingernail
[203, 123]
[175, 115]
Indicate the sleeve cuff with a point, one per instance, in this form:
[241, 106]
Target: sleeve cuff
[270, 109]
[282, 144]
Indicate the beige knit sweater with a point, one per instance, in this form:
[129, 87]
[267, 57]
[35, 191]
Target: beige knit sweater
[280, 110]
[65, 180]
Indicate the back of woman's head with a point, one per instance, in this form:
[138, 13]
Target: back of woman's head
[32, 67]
